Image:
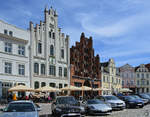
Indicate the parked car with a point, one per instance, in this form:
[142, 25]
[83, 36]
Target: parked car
[144, 96]
[115, 102]
[144, 100]
[20, 108]
[67, 106]
[95, 106]
[132, 102]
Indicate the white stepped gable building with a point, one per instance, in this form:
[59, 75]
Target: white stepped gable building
[36, 57]
[50, 53]
[14, 57]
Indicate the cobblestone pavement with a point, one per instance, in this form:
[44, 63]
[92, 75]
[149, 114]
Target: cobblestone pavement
[142, 112]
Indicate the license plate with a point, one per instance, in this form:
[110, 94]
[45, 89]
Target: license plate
[139, 104]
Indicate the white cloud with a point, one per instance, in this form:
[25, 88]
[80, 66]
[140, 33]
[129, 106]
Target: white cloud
[115, 29]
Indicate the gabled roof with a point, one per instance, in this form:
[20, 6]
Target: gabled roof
[105, 64]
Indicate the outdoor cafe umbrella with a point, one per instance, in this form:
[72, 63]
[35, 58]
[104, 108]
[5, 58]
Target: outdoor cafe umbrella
[85, 88]
[125, 90]
[101, 89]
[47, 89]
[20, 88]
[70, 88]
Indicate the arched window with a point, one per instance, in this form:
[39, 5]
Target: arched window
[52, 50]
[43, 69]
[36, 85]
[43, 84]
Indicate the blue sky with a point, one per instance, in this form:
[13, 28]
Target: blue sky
[120, 28]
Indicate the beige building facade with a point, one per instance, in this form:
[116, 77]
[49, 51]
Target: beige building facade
[110, 78]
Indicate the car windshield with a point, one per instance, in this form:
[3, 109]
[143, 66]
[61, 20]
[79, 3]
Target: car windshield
[66, 100]
[136, 97]
[111, 97]
[20, 107]
[95, 102]
[129, 98]
[144, 96]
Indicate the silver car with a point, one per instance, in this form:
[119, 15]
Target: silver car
[115, 102]
[95, 106]
[20, 108]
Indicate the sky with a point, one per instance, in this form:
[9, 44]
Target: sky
[120, 28]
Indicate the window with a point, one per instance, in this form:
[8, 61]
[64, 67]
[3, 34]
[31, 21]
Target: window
[21, 69]
[53, 35]
[78, 84]
[112, 79]
[52, 84]
[43, 84]
[60, 71]
[36, 68]
[36, 85]
[60, 85]
[39, 48]
[147, 82]
[138, 75]
[8, 68]
[49, 34]
[62, 53]
[65, 72]
[65, 85]
[127, 82]
[142, 75]
[43, 69]
[52, 50]
[127, 75]
[8, 47]
[10, 33]
[5, 32]
[104, 78]
[147, 75]
[51, 70]
[21, 50]
[147, 90]
[138, 83]
[132, 82]
[143, 82]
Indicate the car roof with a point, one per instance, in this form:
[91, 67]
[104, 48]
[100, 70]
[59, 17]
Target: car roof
[107, 95]
[22, 101]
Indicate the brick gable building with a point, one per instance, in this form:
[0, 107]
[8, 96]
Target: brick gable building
[84, 65]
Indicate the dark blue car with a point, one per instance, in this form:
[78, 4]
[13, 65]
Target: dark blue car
[132, 102]
[144, 96]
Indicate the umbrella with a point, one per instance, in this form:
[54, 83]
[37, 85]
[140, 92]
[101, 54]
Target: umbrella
[70, 88]
[101, 89]
[46, 89]
[125, 90]
[20, 88]
[85, 88]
